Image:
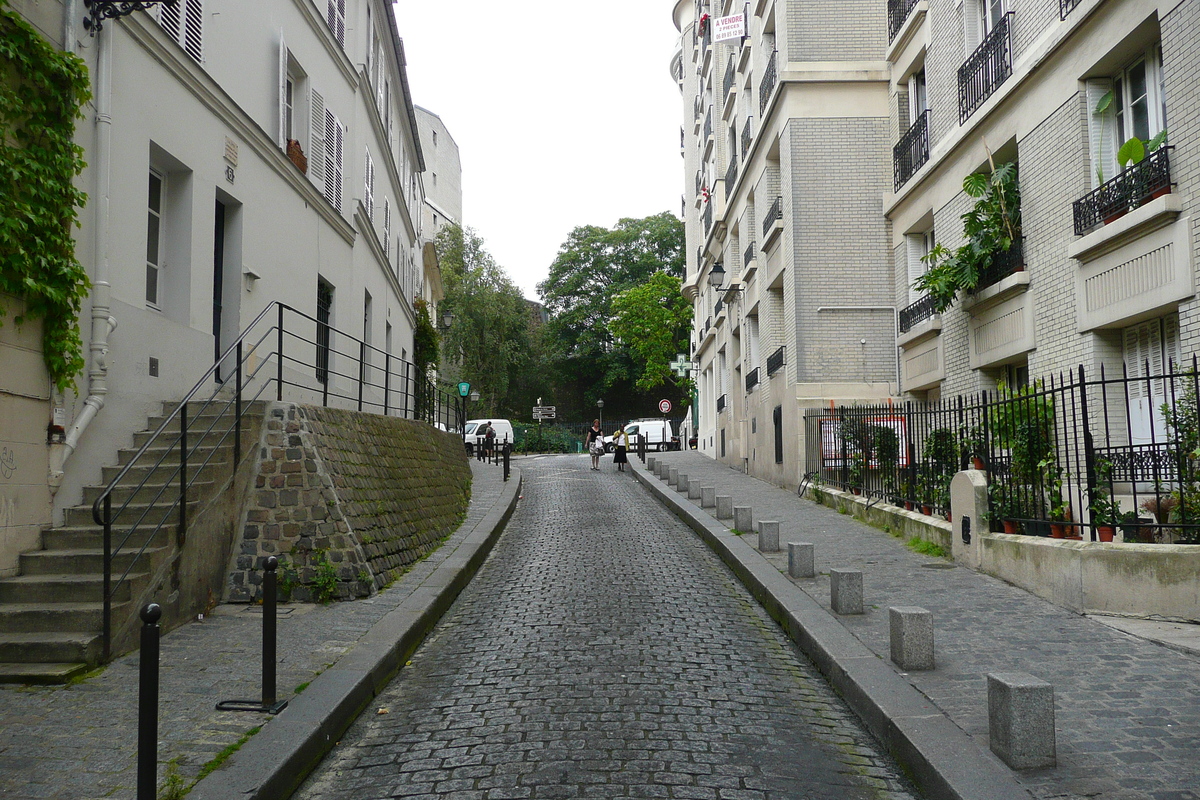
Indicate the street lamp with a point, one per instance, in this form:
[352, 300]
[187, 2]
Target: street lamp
[447, 320]
[600, 405]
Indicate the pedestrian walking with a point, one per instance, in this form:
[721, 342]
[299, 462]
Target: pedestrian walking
[489, 439]
[621, 440]
[595, 443]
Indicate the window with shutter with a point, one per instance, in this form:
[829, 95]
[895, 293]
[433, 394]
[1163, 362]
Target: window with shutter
[316, 140]
[917, 246]
[184, 22]
[335, 16]
[285, 96]
[334, 142]
[369, 187]
[387, 229]
[1150, 348]
[1102, 130]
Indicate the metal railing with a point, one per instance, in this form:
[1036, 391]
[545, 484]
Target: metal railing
[746, 136]
[718, 307]
[708, 217]
[1131, 188]
[727, 82]
[708, 128]
[767, 85]
[699, 181]
[751, 379]
[985, 69]
[282, 352]
[1065, 7]
[1070, 456]
[898, 11]
[912, 151]
[774, 214]
[721, 403]
[731, 175]
[748, 255]
[1004, 263]
[915, 313]
[775, 361]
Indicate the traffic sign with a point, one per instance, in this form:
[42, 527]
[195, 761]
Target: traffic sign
[464, 389]
[664, 406]
[544, 412]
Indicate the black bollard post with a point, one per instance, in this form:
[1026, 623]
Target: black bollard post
[270, 704]
[507, 450]
[147, 763]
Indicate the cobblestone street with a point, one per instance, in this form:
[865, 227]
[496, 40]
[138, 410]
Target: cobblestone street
[604, 651]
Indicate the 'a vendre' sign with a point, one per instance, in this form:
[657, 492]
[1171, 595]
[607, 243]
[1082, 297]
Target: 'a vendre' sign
[731, 27]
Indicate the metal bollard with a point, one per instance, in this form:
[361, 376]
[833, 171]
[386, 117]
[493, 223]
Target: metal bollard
[270, 703]
[507, 451]
[147, 763]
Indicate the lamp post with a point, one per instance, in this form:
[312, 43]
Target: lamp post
[600, 405]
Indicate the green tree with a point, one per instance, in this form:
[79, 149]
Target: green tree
[593, 266]
[488, 344]
[651, 322]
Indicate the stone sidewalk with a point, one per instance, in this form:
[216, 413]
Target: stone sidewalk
[1127, 709]
[79, 742]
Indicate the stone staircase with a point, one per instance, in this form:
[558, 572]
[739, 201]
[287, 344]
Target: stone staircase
[52, 612]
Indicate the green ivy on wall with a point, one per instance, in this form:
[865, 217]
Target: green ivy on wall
[41, 93]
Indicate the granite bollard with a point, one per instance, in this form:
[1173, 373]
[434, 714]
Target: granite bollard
[693, 488]
[650, 462]
[801, 560]
[912, 637]
[673, 477]
[743, 519]
[846, 591]
[724, 507]
[708, 496]
[1021, 720]
[768, 536]
[681, 483]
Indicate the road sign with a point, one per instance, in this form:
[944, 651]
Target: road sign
[664, 406]
[544, 412]
[464, 389]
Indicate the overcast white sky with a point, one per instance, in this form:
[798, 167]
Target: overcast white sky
[564, 112]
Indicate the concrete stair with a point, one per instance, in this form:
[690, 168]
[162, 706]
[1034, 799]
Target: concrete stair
[52, 613]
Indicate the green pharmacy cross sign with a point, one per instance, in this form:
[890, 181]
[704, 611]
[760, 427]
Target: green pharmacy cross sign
[464, 389]
[681, 366]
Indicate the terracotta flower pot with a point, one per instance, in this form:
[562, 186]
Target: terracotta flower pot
[1058, 530]
[1105, 532]
[927, 510]
[1011, 526]
[976, 462]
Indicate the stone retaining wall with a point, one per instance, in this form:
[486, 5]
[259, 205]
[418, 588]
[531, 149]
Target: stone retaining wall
[347, 501]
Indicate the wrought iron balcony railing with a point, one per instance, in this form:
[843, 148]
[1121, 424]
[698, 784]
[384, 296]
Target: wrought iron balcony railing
[748, 254]
[708, 125]
[727, 84]
[912, 151]
[731, 176]
[721, 403]
[916, 313]
[751, 379]
[718, 307]
[985, 69]
[708, 218]
[768, 82]
[774, 214]
[746, 133]
[1134, 186]
[775, 361]
[699, 180]
[1065, 7]
[1004, 263]
[898, 11]
[697, 108]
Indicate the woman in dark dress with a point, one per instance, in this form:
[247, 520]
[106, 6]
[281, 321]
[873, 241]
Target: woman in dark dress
[595, 443]
[621, 440]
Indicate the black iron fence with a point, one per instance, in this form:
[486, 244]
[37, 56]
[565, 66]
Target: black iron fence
[1141, 182]
[985, 69]
[912, 151]
[1074, 456]
[283, 354]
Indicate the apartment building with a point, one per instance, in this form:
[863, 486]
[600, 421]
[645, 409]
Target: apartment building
[238, 154]
[785, 145]
[442, 203]
[1104, 272]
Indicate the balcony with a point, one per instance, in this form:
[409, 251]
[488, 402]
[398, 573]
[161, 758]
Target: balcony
[731, 176]
[751, 380]
[775, 362]
[988, 67]
[746, 135]
[718, 307]
[912, 151]
[1005, 263]
[708, 218]
[898, 11]
[916, 313]
[773, 221]
[708, 129]
[748, 256]
[1065, 7]
[727, 83]
[721, 403]
[699, 181]
[1112, 199]
[768, 83]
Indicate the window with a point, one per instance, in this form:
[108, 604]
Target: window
[326, 142]
[980, 17]
[293, 89]
[434, 138]
[1150, 349]
[387, 229]
[918, 246]
[324, 316]
[184, 22]
[335, 17]
[1134, 105]
[369, 187]
[154, 237]
[918, 97]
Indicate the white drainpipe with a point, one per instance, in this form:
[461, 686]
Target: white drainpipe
[103, 323]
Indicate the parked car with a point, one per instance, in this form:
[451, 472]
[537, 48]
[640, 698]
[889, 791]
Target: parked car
[503, 428]
[658, 433]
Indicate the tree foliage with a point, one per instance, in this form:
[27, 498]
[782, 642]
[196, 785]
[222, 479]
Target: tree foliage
[41, 93]
[593, 266]
[488, 343]
[651, 321]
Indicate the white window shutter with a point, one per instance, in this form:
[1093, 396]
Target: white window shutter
[915, 247]
[369, 187]
[169, 18]
[335, 16]
[316, 141]
[387, 228]
[193, 29]
[283, 76]
[972, 11]
[1102, 131]
[1172, 351]
[334, 142]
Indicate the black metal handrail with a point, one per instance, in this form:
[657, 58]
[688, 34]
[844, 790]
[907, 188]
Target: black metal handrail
[721, 403]
[731, 175]
[774, 214]
[1127, 190]
[985, 69]
[912, 151]
[751, 379]
[746, 136]
[916, 313]
[768, 83]
[898, 11]
[251, 365]
[775, 361]
[727, 83]
[1003, 263]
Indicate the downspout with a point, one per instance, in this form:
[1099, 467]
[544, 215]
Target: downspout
[103, 323]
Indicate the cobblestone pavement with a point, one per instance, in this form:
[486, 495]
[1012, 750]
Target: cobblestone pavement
[1127, 710]
[604, 651]
[80, 742]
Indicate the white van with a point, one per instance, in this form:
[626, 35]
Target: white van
[657, 431]
[503, 428]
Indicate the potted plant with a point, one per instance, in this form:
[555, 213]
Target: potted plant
[1003, 507]
[1106, 514]
[856, 473]
[974, 445]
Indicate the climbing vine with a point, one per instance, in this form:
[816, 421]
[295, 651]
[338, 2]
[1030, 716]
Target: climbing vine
[41, 93]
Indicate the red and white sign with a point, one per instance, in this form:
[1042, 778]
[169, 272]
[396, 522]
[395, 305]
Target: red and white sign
[664, 406]
[731, 27]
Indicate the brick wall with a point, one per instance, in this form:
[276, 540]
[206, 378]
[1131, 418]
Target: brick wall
[367, 495]
[833, 30]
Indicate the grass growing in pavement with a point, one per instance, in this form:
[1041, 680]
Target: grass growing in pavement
[222, 756]
[919, 545]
